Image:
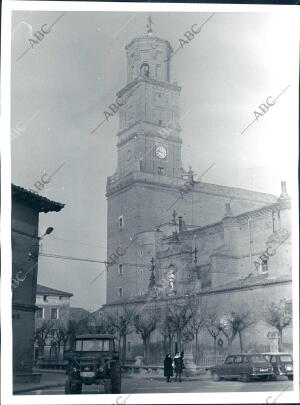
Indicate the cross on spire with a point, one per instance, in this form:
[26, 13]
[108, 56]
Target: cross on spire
[174, 215]
[149, 25]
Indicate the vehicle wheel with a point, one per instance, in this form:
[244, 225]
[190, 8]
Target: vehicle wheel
[215, 376]
[245, 378]
[116, 378]
[290, 377]
[107, 387]
[274, 377]
[79, 388]
[71, 390]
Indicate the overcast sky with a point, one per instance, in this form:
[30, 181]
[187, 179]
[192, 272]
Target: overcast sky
[62, 86]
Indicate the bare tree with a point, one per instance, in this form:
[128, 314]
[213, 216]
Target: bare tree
[145, 323]
[198, 313]
[234, 324]
[60, 336]
[42, 332]
[179, 315]
[213, 326]
[122, 321]
[277, 317]
[241, 321]
[166, 329]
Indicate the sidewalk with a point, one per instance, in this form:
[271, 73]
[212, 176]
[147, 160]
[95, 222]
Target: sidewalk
[50, 378]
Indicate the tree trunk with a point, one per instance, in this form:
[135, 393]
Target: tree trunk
[165, 345]
[179, 347]
[196, 342]
[170, 344]
[280, 340]
[145, 349]
[215, 346]
[241, 341]
[41, 350]
[124, 341]
[229, 346]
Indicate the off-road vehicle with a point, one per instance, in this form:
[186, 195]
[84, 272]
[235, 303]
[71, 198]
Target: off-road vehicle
[93, 360]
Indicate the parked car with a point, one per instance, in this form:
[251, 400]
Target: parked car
[282, 364]
[93, 360]
[244, 367]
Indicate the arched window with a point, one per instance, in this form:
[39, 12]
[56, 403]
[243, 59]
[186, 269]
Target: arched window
[145, 69]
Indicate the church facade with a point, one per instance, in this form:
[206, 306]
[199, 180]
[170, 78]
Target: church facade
[191, 237]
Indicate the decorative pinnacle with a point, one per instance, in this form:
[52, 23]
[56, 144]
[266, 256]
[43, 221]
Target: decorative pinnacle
[149, 25]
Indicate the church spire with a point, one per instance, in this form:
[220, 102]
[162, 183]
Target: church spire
[149, 25]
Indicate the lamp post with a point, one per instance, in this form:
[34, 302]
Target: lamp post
[33, 255]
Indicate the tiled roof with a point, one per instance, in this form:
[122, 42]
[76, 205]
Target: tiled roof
[42, 204]
[43, 290]
[250, 281]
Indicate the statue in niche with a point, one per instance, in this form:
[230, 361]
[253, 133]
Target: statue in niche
[145, 70]
[171, 280]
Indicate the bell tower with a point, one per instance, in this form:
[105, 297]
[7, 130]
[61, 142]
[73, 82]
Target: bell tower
[149, 169]
[149, 131]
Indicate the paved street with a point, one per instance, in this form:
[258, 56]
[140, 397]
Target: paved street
[203, 384]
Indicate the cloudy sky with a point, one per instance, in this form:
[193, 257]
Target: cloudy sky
[61, 87]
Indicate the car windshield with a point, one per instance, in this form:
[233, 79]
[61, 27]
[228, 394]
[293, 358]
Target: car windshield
[286, 358]
[258, 359]
[92, 345]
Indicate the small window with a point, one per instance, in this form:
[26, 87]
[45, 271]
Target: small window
[121, 222]
[141, 253]
[264, 265]
[45, 298]
[288, 309]
[160, 170]
[238, 359]
[54, 313]
[141, 272]
[141, 292]
[229, 360]
[40, 313]
[121, 269]
[120, 292]
[159, 122]
[61, 297]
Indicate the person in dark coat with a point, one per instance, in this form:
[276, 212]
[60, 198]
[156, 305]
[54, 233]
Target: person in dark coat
[168, 368]
[178, 366]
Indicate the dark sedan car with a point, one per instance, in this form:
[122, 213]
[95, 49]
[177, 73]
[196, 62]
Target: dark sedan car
[282, 364]
[243, 367]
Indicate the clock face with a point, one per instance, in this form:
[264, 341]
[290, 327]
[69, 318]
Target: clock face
[161, 152]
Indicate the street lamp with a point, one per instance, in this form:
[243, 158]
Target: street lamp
[33, 255]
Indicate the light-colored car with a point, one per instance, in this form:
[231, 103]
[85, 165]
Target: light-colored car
[282, 364]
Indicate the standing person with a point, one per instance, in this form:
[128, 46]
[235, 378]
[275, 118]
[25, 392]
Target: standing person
[178, 365]
[168, 368]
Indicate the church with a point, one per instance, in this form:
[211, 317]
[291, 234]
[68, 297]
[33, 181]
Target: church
[166, 228]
